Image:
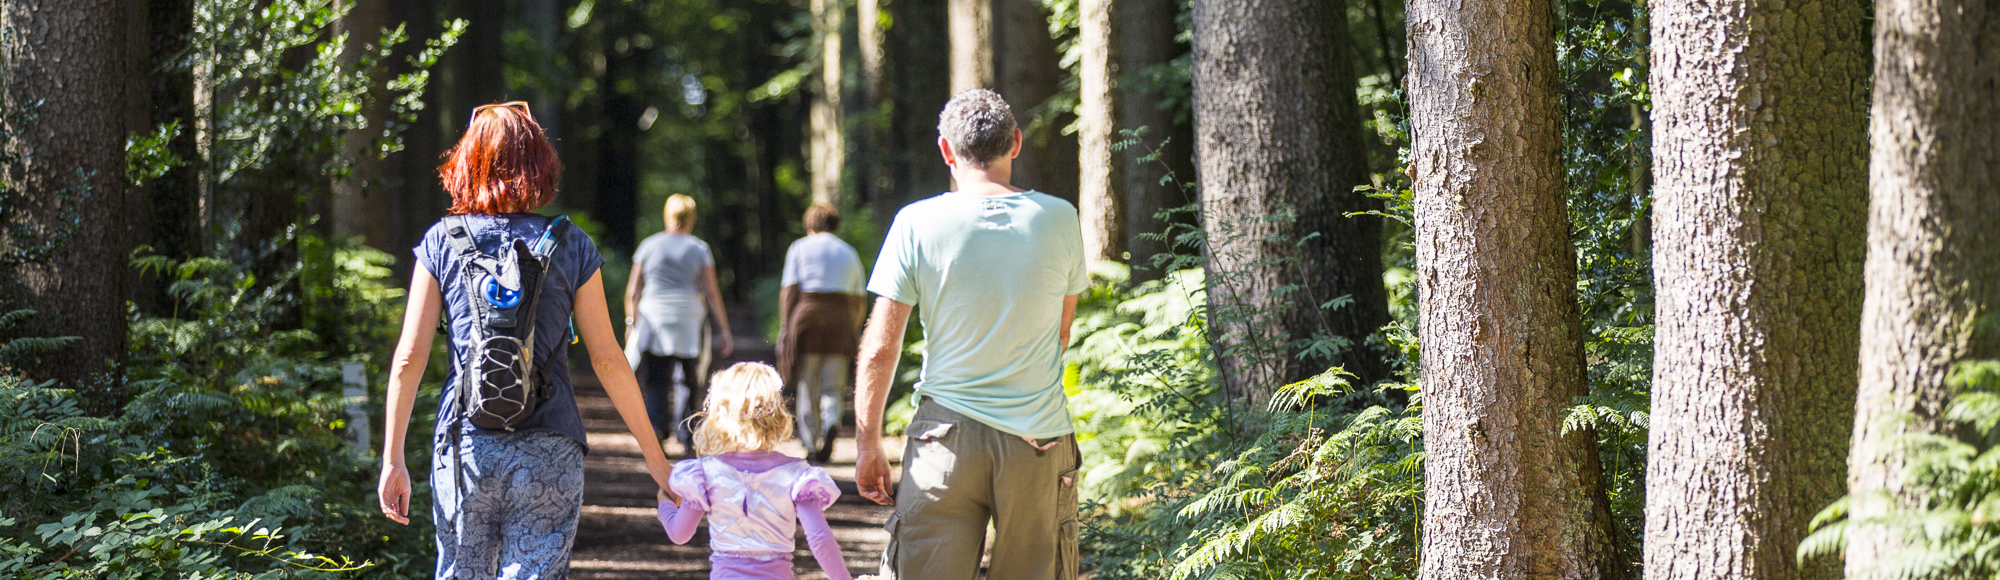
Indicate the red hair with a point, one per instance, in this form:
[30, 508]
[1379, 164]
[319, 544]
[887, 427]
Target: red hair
[503, 164]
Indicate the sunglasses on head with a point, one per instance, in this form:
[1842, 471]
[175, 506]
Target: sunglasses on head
[521, 106]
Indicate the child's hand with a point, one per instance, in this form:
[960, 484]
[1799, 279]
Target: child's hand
[669, 497]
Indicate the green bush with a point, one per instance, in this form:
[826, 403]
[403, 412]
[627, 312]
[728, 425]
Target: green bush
[229, 458]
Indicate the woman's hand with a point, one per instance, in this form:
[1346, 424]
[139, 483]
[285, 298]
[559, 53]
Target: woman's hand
[728, 342]
[394, 491]
[667, 496]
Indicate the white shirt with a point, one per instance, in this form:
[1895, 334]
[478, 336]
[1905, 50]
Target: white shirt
[822, 263]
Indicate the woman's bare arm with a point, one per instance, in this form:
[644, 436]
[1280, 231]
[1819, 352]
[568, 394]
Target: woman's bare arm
[593, 321]
[406, 373]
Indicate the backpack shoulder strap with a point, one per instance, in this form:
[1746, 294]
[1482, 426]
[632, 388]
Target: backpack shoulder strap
[460, 236]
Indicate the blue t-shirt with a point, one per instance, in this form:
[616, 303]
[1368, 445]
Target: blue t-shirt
[574, 262]
[987, 275]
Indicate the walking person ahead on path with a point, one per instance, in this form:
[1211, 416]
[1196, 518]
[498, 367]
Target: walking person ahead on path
[996, 272]
[506, 476]
[667, 305]
[821, 304]
[755, 498]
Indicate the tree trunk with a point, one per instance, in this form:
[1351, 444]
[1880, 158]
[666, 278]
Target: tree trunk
[829, 142]
[410, 186]
[1277, 172]
[1145, 39]
[1933, 267]
[70, 56]
[359, 206]
[1508, 495]
[1759, 148]
[176, 194]
[921, 75]
[1103, 210]
[1004, 45]
[869, 124]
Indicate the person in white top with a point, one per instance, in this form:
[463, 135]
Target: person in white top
[821, 305]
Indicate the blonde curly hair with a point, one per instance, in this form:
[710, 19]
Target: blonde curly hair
[745, 411]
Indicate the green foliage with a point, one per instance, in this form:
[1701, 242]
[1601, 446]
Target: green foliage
[1946, 507]
[229, 457]
[1325, 483]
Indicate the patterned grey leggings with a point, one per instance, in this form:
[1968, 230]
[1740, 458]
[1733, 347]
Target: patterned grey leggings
[516, 519]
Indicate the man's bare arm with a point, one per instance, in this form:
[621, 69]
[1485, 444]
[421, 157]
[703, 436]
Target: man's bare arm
[881, 347]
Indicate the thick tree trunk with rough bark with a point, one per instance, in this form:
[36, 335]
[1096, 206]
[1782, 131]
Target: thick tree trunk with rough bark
[1933, 269]
[1103, 210]
[1758, 212]
[1004, 45]
[829, 137]
[1508, 495]
[70, 56]
[1145, 39]
[1279, 148]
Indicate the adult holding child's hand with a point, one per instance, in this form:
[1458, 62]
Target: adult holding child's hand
[507, 454]
[991, 438]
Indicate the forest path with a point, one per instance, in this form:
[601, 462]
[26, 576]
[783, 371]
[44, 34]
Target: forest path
[619, 536]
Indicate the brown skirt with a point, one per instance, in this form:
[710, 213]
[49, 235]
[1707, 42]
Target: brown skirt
[823, 323]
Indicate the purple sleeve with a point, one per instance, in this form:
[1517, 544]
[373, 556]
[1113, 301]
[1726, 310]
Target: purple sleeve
[692, 485]
[820, 537]
[815, 489]
[681, 522]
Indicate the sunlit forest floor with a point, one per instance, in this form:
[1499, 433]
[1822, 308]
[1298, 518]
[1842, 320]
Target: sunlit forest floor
[619, 537]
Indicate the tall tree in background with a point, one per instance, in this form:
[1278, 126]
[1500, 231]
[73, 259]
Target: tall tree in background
[1145, 41]
[829, 137]
[1097, 116]
[919, 61]
[1508, 494]
[1277, 172]
[1759, 204]
[1933, 266]
[62, 105]
[1004, 45]
[359, 206]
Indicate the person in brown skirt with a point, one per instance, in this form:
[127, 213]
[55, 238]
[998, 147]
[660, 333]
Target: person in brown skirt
[821, 305]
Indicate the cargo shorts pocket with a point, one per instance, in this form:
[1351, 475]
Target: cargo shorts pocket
[888, 569]
[1066, 525]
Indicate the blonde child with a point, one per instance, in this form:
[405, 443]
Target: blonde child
[755, 498]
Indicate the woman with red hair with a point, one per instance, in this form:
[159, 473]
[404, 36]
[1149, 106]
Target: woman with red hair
[506, 499]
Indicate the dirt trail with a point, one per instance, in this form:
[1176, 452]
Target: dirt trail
[619, 537]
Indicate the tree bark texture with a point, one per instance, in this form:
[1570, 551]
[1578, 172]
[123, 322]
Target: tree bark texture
[1933, 267]
[829, 139]
[1004, 45]
[70, 56]
[1277, 170]
[1145, 39]
[1758, 212]
[1102, 208]
[1508, 495]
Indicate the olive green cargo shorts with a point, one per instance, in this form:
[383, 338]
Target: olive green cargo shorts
[959, 474]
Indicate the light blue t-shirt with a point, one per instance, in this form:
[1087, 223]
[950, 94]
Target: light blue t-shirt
[988, 275]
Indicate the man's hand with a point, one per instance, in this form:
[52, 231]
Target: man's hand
[871, 472]
[394, 492]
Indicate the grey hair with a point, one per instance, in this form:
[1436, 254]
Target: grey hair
[979, 125]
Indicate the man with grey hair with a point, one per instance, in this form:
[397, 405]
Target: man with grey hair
[996, 271]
